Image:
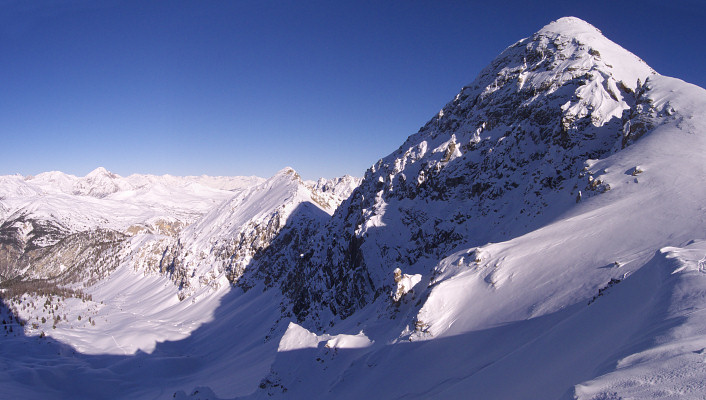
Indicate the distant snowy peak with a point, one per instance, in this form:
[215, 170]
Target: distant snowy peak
[54, 181]
[100, 183]
[101, 172]
[231, 183]
[341, 186]
[334, 191]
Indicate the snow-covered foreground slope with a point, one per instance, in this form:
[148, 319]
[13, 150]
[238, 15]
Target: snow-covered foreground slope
[227, 353]
[543, 236]
[641, 338]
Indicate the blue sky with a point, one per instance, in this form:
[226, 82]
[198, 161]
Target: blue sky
[249, 87]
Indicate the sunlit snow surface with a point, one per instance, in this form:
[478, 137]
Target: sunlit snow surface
[105, 200]
[604, 299]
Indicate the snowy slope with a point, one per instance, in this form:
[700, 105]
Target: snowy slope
[218, 248]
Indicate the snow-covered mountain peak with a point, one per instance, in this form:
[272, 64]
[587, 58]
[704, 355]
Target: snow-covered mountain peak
[560, 79]
[100, 183]
[50, 176]
[100, 172]
[287, 176]
[283, 191]
[619, 62]
[286, 171]
[570, 26]
[507, 153]
[222, 243]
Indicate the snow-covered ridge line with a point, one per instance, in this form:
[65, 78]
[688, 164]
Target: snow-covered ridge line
[220, 246]
[101, 182]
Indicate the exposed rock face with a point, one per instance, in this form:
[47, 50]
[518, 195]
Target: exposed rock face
[332, 192]
[22, 240]
[39, 255]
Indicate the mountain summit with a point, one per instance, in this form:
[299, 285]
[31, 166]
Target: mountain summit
[505, 156]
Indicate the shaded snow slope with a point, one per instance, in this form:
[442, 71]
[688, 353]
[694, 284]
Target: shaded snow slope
[226, 353]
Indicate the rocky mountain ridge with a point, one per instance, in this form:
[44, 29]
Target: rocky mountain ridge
[507, 154]
[162, 224]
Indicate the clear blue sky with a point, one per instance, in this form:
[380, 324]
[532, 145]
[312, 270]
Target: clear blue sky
[249, 87]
